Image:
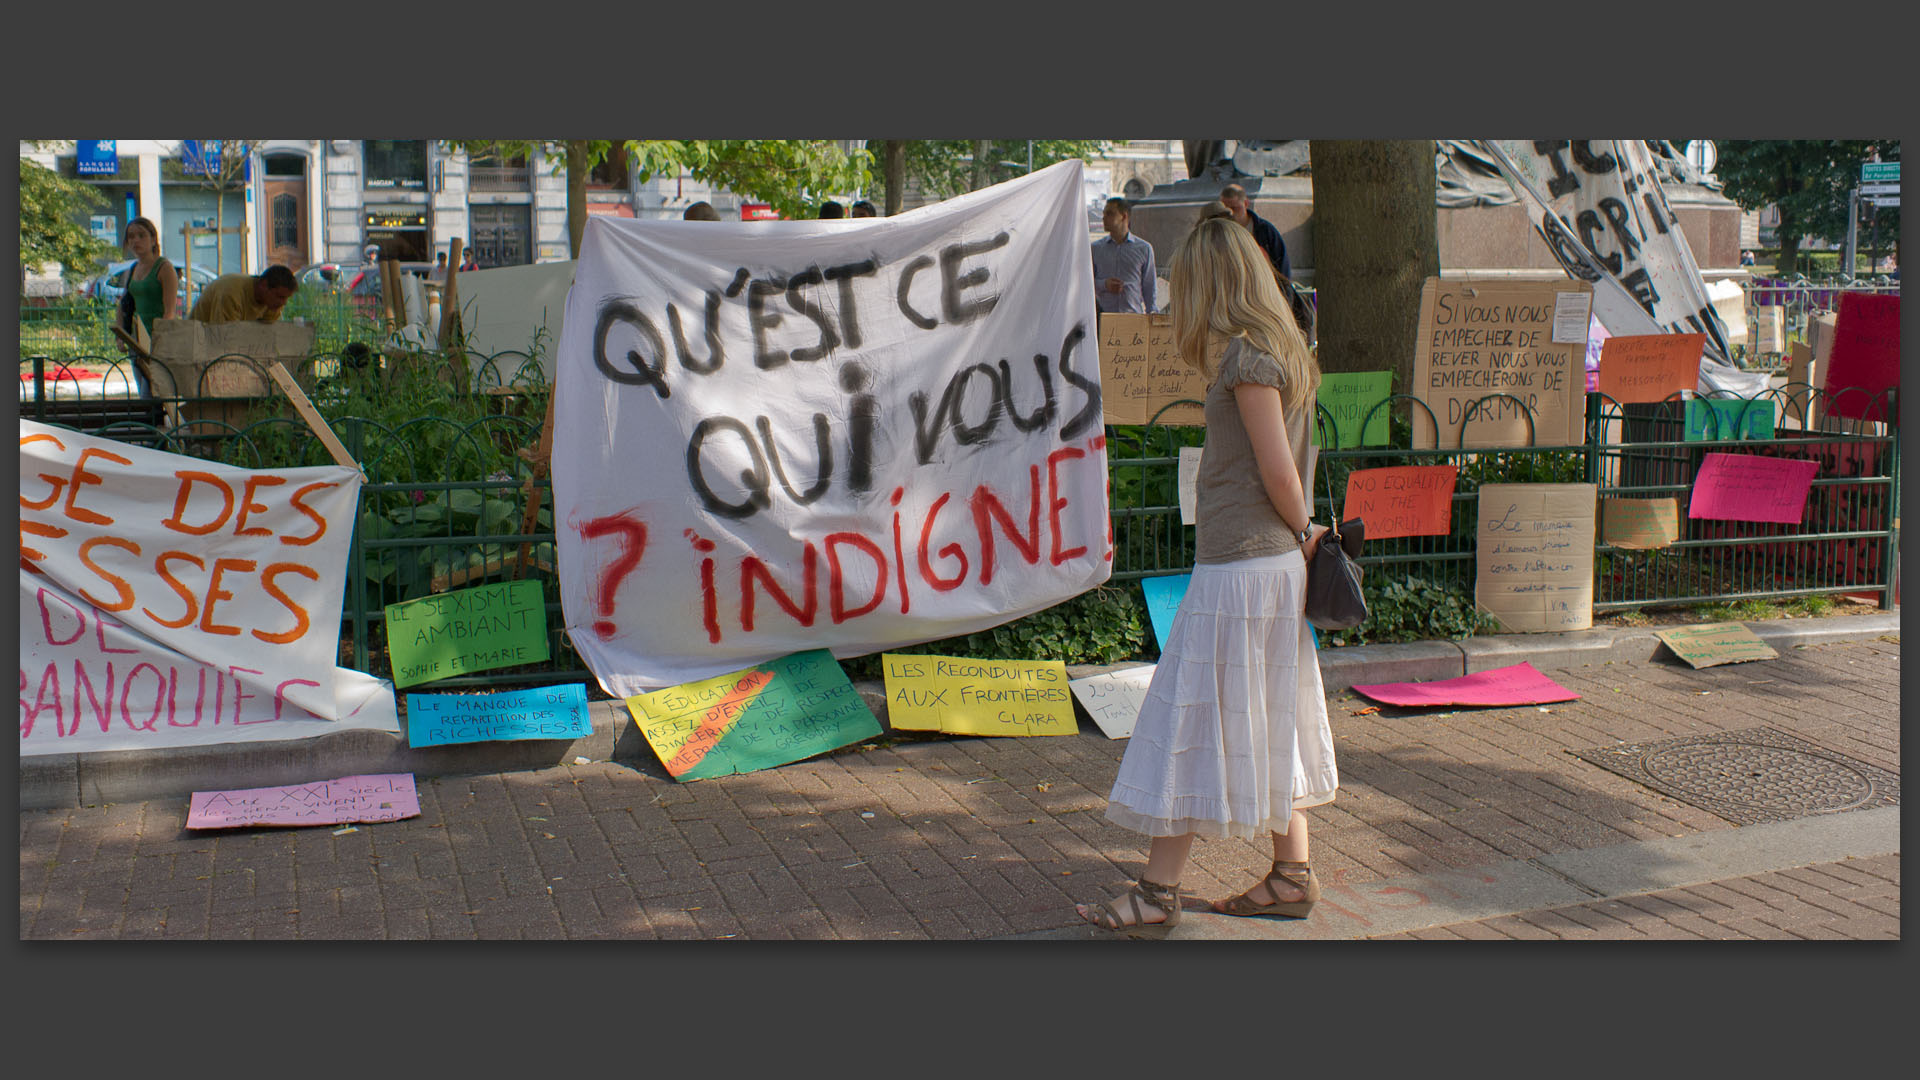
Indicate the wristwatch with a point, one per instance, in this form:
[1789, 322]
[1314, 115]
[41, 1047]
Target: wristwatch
[1304, 534]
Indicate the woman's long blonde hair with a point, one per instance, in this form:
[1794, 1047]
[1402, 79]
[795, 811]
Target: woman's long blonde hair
[1223, 288]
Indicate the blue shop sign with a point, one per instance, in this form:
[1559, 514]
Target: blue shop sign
[97, 157]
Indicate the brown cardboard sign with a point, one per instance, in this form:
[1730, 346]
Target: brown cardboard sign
[1712, 644]
[1534, 560]
[1641, 524]
[1141, 373]
[1479, 338]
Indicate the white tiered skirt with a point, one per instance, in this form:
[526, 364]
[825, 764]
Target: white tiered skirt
[1233, 736]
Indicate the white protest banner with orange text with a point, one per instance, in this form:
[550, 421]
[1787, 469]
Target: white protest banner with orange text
[169, 601]
[853, 434]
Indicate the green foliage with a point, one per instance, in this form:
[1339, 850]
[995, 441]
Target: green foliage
[52, 208]
[791, 175]
[944, 167]
[1413, 608]
[1104, 625]
[1808, 179]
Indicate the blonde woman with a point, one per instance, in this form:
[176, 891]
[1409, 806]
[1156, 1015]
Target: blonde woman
[1233, 738]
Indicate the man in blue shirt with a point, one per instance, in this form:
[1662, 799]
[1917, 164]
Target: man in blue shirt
[1122, 264]
[1264, 234]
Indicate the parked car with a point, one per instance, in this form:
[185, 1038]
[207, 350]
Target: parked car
[111, 284]
[340, 277]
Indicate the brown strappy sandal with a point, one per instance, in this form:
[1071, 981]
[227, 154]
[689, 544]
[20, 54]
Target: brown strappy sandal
[1298, 874]
[1123, 915]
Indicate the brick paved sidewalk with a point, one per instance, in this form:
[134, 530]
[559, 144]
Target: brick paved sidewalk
[930, 837]
[1854, 900]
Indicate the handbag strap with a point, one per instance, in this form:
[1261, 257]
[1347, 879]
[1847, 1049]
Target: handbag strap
[1333, 526]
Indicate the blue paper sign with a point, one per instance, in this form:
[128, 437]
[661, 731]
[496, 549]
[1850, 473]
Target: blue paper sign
[96, 157]
[1163, 599]
[544, 712]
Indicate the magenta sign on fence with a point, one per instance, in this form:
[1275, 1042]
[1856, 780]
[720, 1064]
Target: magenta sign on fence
[1749, 487]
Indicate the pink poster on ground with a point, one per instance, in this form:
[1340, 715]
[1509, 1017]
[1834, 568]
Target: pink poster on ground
[1749, 487]
[1516, 685]
[385, 797]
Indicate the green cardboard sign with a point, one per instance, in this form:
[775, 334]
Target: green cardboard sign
[756, 718]
[1728, 416]
[470, 630]
[1350, 396]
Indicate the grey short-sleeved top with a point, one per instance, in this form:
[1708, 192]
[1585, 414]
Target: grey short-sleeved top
[1234, 518]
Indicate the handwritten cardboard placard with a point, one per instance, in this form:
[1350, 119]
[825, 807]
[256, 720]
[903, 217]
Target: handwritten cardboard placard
[1519, 684]
[1729, 418]
[1866, 356]
[1350, 396]
[1534, 559]
[1712, 644]
[770, 714]
[1640, 524]
[1480, 338]
[1749, 487]
[1402, 500]
[978, 697]
[1141, 373]
[1163, 595]
[383, 797]
[544, 712]
[469, 630]
[1650, 367]
[1113, 698]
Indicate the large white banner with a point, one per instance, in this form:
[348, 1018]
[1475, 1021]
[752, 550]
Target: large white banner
[852, 434]
[1598, 205]
[169, 601]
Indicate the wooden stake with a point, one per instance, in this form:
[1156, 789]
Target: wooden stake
[542, 460]
[313, 418]
[449, 295]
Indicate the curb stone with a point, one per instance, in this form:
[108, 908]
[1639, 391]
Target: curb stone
[63, 781]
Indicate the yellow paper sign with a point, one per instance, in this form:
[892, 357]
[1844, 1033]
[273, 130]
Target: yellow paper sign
[978, 697]
[1711, 644]
[1639, 523]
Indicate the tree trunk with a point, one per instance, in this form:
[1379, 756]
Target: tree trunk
[982, 149]
[577, 170]
[1789, 233]
[219, 231]
[894, 169]
[1375, 242]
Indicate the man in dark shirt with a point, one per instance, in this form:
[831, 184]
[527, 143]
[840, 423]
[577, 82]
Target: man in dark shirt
[1264, 234]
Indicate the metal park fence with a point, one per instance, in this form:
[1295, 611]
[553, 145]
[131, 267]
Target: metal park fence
[1794, 303]
[451, 501]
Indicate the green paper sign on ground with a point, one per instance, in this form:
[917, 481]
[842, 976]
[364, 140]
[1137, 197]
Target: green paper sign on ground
[457, 633]
[1728, 416]
[1712, 644]
[1350, 396]
[755, 718]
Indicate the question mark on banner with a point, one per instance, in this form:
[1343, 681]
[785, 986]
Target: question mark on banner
[634, 542]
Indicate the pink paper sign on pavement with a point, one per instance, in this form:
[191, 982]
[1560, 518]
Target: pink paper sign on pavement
[1749, 487]
[1516, 685]
[385, 797]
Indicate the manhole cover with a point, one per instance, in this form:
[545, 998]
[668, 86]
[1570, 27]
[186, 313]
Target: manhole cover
[1750, 776]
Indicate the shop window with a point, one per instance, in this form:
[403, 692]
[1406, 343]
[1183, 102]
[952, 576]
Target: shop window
[397, 163]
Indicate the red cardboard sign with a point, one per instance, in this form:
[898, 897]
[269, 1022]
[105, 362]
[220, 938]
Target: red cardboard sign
[1865, 357]
[1650, 367]
[1404, 500]
[1749, 487]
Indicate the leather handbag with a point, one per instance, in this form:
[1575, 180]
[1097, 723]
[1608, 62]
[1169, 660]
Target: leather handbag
[1334, 598]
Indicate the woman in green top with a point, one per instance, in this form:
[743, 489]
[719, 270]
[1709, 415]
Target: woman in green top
[153, 282]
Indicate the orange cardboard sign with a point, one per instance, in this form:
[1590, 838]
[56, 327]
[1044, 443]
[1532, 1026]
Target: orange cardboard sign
[1404, 500]
[1650, 367]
